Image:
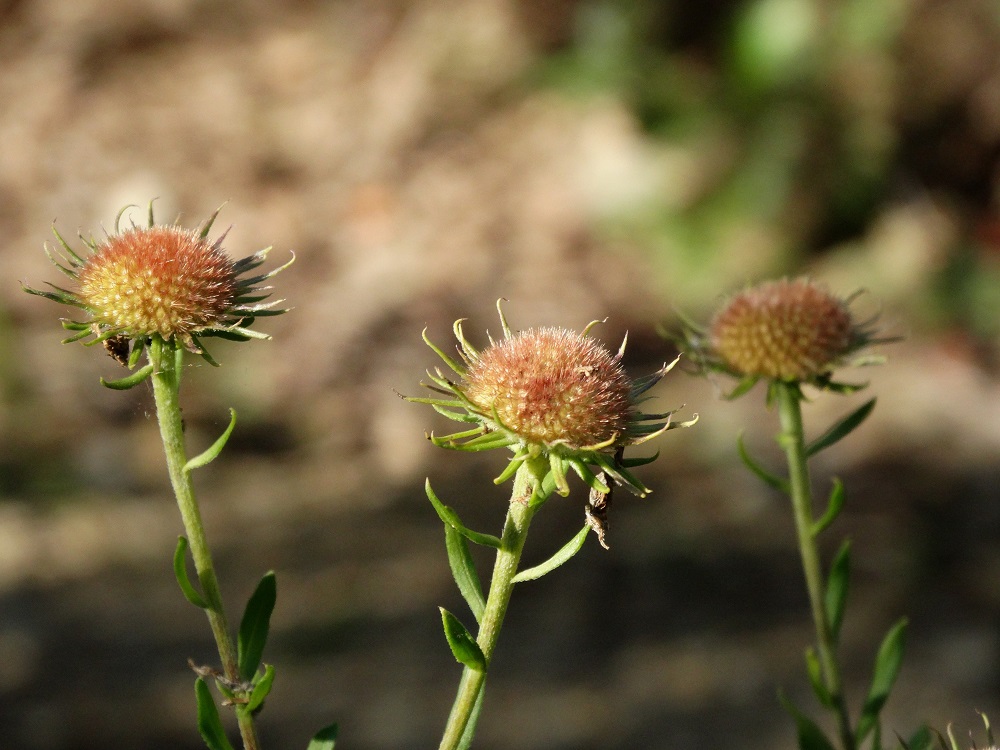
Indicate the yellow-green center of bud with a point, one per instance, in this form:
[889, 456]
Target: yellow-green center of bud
[791, 330]
[161, 280]
[552, 385]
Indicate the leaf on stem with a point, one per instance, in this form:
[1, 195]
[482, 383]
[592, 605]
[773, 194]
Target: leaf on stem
[568, 550]
[255, 624]
[464, 570]
[833, 507]
[180, 572]
[841, 429]
[209, 455]
[810, 736]
[129, 381]
[463, 645]
[209, 724]
[450, 517]
[887, 663]
[837, 586]
[260, 690]
[324, 739]
[815, 673]
[763, 474]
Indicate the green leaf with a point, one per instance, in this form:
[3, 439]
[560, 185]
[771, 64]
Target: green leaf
[837, 586]
[833, 507]
[255, 624]
[922, 739]
[463, 645]
[209, 724]
[763, 474]
[810, 736]
[464, 570]
[324, 739]
[209, 455]
[841, 429]
[568, 550]
[451, 518]
[260, 690]
[815, 673]
[887, 663]
[129, 381]
[180, 572]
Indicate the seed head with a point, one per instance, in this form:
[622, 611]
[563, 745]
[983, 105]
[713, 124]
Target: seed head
[162, 280]
[553, 394]
[552, 386]
[159, 281]
[789, 330]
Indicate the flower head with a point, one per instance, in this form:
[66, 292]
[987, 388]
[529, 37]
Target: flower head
[789, 330]
[548, 393]
[160, 281]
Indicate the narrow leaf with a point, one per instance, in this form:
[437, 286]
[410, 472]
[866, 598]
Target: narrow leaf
[841, 428]
[463, 645]
[260, 690]
[464, 570]
[763, 474]
[833, 507]
[810, 736]
[255, 624]
[887, 663]
[209, 455]
[815, 673]
[837, 586]
[209, 724]
[451, 518]
[470, 728]
[129, 381]
[568, 550]
[324, 739]
[180, 572]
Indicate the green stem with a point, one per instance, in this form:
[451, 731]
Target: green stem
[167, 363]
[460, 724]
[793, 441]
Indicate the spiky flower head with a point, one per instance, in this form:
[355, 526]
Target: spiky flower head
[788, 330]
[549, 393]
[159, 281]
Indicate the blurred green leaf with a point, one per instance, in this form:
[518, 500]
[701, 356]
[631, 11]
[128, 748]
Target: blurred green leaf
[887, 664]
[763, 474]
[841, 429]
[815, 674]
[463, 645]
[810, 736]
[833, 507]
[255, 625]
[464, 570]
[180, 572]
[209, 724]
[324, 739]
[837, 586]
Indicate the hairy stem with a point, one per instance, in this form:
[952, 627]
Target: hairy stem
[167, 362]
[793, 442]
[461, 721]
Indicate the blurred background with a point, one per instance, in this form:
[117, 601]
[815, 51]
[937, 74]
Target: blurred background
[584, 159]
